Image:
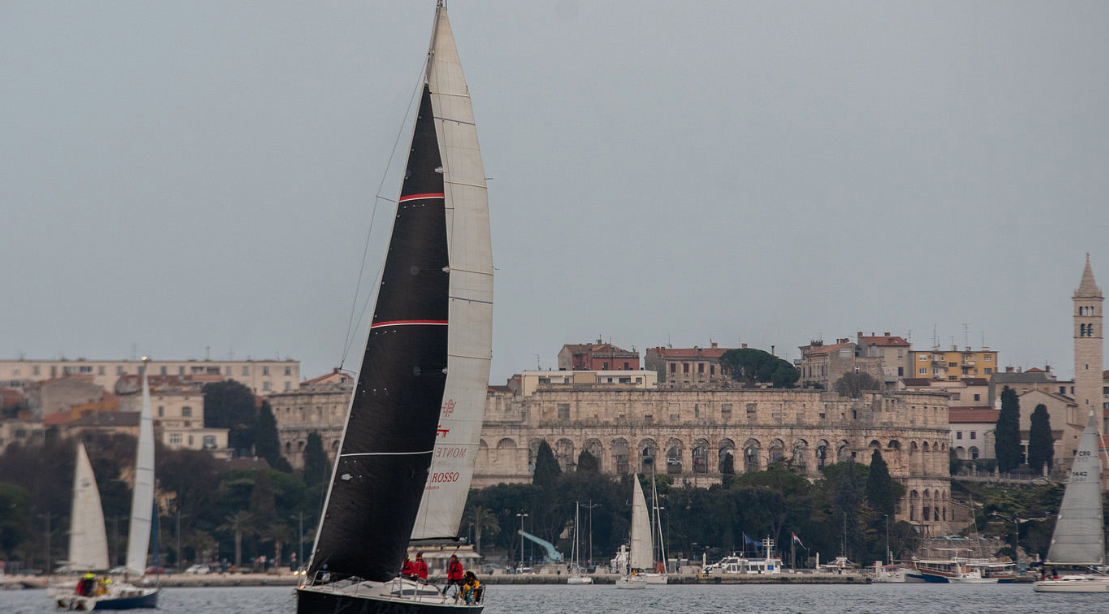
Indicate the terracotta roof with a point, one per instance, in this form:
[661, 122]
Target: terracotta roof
[919, 382]
[825, 349]
[56, 418]
[886, 340]
[972, 415]
[108, 419]
[1035, 370]
[499, 389]
[690, 352]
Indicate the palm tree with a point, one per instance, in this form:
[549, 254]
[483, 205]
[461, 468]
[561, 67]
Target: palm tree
[239, 524]
[484, 519]
[275, 532]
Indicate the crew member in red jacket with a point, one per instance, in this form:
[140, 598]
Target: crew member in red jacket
[408, 570]
[421, 566]
[454, 572]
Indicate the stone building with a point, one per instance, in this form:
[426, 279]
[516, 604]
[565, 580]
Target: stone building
[824, 364]
[891, 351]
[954, 364]
[694, 367]
[1088, 340]
[60, 394]
[320, 405]
[177, 407]
[598, 356]
[695, 431]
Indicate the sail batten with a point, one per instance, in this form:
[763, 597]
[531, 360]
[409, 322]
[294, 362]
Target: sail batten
[1079, 537]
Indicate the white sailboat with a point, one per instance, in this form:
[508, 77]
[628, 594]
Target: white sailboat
[576, 576]
[413, 427]
[88, 539]
[658, 573]
[1079, 538]
[641, 558]
[125, 595]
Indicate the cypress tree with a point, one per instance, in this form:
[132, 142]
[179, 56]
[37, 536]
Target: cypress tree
[879, 491]
[588, 463]
[1041, 448]
[1007, 431]
[263, 504]
[546, 467]
[267, 444]
[316, 467]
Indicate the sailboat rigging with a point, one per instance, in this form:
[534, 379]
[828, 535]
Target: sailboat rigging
[409, 445]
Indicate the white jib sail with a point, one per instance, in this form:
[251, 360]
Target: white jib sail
[470, 334]
[142, 497]
[1079, 537]
[642, 555]
[88, 541]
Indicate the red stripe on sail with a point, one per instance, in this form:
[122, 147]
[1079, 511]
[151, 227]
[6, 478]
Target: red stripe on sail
[420, 196]
[409, 323]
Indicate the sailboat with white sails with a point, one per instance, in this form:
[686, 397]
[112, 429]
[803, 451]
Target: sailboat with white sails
[641, 558]
[88, 537]
[413, 428]
[1079, 537]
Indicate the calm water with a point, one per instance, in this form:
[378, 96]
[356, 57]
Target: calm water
[895, 598]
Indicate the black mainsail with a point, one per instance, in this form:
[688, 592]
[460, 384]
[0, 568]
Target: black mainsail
[391, 428]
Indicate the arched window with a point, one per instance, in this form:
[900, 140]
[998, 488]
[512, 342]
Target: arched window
[700, 456]
[726, 455]
[620, 455]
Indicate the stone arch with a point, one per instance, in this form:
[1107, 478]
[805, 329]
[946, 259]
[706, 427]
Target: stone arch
[564, 453]
[914, 506]
[960, 453]
[874, 445]
[777, 452]
[800, 455]
[724, 451]
[700, 456]
[972, 453]
[843, 451]
[821, 454]
[751, 455]
[674, 452]
[648, 455]
[597, 450]
[620, 453]
[482, 446]
[914, 458]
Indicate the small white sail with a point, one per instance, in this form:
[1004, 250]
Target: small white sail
[88, 541]
[470, 332]
[142, 497]
[1079, 537]
[642, 555]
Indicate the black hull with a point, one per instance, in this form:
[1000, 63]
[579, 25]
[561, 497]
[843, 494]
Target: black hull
[130, 603]
[312, 602]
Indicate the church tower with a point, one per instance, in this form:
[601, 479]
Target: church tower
[1088, 346]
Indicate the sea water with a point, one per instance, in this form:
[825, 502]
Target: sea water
[691, 599]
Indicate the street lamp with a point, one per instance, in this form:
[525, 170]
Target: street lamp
[521, 516]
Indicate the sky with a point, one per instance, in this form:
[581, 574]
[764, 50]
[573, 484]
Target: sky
[191, 180]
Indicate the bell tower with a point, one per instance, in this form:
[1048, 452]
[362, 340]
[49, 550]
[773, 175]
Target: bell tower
[1088, 346]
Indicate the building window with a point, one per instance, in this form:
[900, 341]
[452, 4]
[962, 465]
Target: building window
[563, 411]
[974, 434]
[288, 386]
[673, 368]
[959, 435]
[181, 370]
[923, 370]
[175, 438]
[186, 412]
[164, 369]
[100, 370]
[288, 371]
[265, 370]
[161, 411]
[977, 397]
[923, 358]
[119, 370]
[209, 442]
[700, 368]
[246, 370]
[685, 367]
[266, 386]
[35, 369]
[604, 366]
[649, 418]
[752, 410]
[988, 358]
[726, 410]
[627, 366]
[987, 370]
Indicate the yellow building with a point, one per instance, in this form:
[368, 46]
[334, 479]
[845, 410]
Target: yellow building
[954, 364]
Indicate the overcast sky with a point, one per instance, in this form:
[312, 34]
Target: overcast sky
[186, 178]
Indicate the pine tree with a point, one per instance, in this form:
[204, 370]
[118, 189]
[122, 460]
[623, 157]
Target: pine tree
[263, 503]
[879, 491]
[316, 467]
[1007, 432]
[546, 467]
[1041, 447]
[267, 443]
[230, 405]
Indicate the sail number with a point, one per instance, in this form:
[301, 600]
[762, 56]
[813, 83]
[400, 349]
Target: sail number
[1083, 452]
[1078, 474]
[445, 476]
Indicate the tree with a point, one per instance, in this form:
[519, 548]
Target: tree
[230, 405]
[847, 501]
[239, 524]
[1007, 432]
[316, 467]
[546, 467]
[263, 505]
[1041, 447]
[587, 463]
[752, 366]
[484, 521]
[267, 444]
[15, 514]
[854, 384]
[879, 486]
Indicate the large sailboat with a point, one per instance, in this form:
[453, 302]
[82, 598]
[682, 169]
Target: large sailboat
[408, 448]
[576, 575]
[117, 595]
[1079, 538]
[88, 539]
[641, 559]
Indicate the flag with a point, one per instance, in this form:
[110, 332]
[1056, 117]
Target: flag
[797, 540]
[748, 540]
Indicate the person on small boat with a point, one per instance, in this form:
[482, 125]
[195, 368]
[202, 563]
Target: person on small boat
[455, 575]
[408, 569]
[469, 589]
[86, 585]
[104, 586]
[421, 566]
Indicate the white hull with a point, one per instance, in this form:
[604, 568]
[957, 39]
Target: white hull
[1073, 584]
[121, 596]
[398, 595]
[579, 579]
[632, 582]
[655, 578]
